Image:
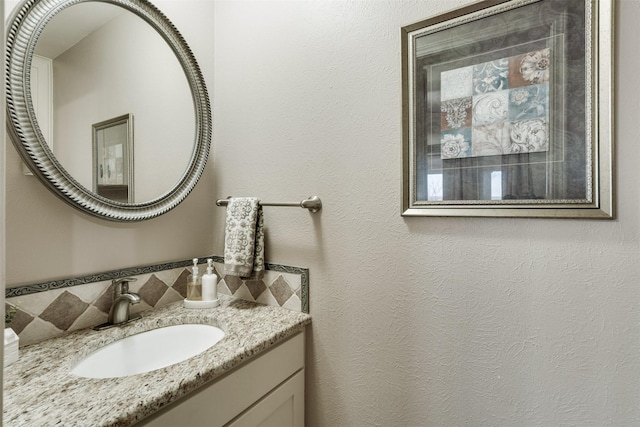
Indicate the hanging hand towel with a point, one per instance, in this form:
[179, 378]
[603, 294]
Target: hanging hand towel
[244, 238]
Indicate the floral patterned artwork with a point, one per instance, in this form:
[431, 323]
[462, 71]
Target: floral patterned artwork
[497, 107]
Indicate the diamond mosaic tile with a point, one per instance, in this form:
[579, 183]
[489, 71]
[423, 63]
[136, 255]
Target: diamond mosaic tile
[255, 287]
[91, 317]
[153, 290]
[281, 290]
[20, 319]
[180, 284]
[292, 303]
[267, 298]
[83, 303]
[104, 302]
[89, 293]
[35, 304]
[233, 283]
[64, 310]
[244, 293]
[170, 296]
[38, 330]
[282, 283]
[223, 289]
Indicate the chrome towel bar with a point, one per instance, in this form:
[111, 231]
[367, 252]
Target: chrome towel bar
[313, 203]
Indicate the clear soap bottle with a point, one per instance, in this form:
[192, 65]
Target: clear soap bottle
[194, 283]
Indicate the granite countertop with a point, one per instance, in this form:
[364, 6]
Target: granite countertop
[39, 390]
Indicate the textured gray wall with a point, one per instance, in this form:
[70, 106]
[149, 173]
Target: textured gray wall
[421, 321]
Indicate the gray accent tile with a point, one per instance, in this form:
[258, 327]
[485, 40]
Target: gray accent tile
[64, 310]
[153, 290]
[105, 301]
[20, 320]
[180, 285]
[233, 283]
[256, 287]
[169, 297]
[281, 290]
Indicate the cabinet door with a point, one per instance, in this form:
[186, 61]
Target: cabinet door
[226, 399]
[282, 407]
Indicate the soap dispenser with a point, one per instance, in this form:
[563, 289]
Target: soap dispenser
[209, 283]
[194, 283]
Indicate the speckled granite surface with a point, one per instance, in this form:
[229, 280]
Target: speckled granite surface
[40, 391]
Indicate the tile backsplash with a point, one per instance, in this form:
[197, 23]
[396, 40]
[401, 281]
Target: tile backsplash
[49, 309]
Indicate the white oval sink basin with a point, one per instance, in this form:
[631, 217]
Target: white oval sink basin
[148, 351]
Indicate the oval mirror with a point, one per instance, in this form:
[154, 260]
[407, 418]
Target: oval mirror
[123, 129]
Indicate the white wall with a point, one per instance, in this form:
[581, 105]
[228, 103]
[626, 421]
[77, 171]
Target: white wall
[421, 321]
[46, 239]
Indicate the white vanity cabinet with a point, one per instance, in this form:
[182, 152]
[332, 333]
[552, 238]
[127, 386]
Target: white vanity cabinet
[267, 391]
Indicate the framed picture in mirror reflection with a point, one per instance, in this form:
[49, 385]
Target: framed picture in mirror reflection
[113, 159]
[507, 111]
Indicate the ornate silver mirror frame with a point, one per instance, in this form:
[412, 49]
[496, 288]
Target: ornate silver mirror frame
[23, 33]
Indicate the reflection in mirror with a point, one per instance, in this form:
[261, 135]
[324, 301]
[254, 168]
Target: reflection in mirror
[113, 159]
[106, 61]
[136, 62]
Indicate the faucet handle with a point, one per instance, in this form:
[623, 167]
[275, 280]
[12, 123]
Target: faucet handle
[121, 286]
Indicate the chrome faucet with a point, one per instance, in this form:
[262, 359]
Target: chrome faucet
[122, 300]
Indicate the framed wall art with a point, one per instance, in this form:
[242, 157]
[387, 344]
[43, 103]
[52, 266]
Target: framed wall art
[507, 111]
[113, 158]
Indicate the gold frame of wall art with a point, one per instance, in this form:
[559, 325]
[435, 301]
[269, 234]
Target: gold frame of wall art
[508, 112]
